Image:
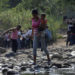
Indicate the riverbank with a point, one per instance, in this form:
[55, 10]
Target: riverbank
[61, 57]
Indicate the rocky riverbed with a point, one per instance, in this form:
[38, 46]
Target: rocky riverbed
[21, 62]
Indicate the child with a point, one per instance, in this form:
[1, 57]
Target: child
[35, 27]
[43, 24]
[45, 27]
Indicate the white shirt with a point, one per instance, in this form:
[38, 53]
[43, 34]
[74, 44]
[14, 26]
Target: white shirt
[19, 33]
[29, 33]
[69, 26]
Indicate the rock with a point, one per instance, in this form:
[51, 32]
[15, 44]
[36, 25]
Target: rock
[58, 65]
[56, 55]
[37, 67]
[5, 65]
[17, 68]
[73, 53]
[2, 50]
[23, 68]
[32, 69]
[11, 66]
[4, 71]
[24, 64]
[46, 67]
[66, 65]
[12, 72]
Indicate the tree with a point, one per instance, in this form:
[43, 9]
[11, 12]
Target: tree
[14, 3]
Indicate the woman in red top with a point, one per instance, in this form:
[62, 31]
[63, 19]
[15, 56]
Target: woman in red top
[14, 37]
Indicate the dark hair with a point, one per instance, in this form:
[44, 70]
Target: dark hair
[65, 17]
[19, 26]
[35, 11]
[43, 14]
[70, 23]
[73, 24]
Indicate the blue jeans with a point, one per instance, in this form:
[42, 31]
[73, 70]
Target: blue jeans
[48, 34]
[43, 44]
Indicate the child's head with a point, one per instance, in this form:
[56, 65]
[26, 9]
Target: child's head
[43, 16]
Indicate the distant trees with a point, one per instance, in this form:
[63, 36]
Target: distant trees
[13, 3]
[49, 6]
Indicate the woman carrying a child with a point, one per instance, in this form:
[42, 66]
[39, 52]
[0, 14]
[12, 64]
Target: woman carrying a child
[38, 31]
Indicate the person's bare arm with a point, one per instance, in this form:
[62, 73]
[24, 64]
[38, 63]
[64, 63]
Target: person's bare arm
[32, 34]
[11, 29]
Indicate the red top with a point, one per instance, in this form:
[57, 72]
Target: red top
[43, 21]
[35, 25]
[14, 34]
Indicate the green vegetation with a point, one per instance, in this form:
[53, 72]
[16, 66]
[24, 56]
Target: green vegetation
[14, 12]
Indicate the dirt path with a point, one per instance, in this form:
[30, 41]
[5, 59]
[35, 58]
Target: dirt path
[59, 43]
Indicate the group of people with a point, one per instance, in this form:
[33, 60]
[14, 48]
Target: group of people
[71, 30]
[23, 40]
[39, 32]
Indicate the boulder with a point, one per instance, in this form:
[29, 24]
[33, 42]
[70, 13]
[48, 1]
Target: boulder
[58, 65]
[56, 55]
[23, 68]
[2, 50]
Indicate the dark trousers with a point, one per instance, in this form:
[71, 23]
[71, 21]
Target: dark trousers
[72, 40]
[23, 43]
[14, 45]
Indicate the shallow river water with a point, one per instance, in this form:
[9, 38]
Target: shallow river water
[53, 71]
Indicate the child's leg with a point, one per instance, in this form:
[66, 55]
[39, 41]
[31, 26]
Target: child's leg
[44, 45]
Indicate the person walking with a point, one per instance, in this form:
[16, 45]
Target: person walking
[14, 37]
[36, 21]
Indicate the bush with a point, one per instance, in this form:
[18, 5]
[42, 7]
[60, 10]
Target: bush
[15, 16]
